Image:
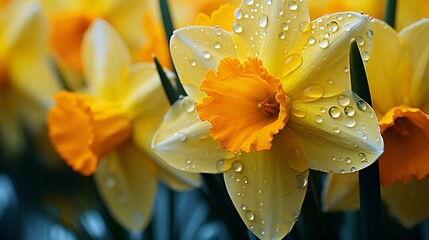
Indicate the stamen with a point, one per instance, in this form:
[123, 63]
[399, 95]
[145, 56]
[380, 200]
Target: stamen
[269, 108]
[401, 127]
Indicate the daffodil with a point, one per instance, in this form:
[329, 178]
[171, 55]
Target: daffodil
[108, 129]
[273, 99]
[397, 74]
[374, 8]
[26, 81]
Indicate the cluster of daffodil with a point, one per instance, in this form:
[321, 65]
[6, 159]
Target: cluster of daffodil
[268, 98]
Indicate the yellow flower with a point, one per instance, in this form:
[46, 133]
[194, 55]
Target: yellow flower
[274, 96]
[108, 130]
[26, 81]
[397, 74]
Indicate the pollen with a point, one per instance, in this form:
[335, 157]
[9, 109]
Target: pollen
[246, 105]
[83, 129]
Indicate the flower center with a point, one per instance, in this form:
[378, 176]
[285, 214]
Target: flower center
[246, 105]
[83, 129]
[66, 35]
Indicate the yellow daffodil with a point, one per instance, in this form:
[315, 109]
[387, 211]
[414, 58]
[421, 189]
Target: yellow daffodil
[397, 74]
[69, 19]
[26, 81]
[108, 130]
[374, 8]
[273, 99]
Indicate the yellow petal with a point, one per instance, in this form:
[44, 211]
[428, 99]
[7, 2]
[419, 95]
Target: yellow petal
[417, 37]
[410, 12]
[265, 190]
[341, 192]
[340, 133]
[269, 29]
[177, 179]
[127, 185]
[407, 202]
[195, 50]
[223, 17]
[388, 69]
[106, 59]
[323, 56]
[184, 141]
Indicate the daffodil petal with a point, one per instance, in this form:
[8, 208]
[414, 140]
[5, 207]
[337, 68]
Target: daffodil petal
[266, 28]
[266, 191]
[184, 141]
[195, 50]
[340, 134]
[388, 69]
[106, 59]
[178, 180]
[407, 202]
[321, 60]
[127, 185]
[341, 192]
[417, 37]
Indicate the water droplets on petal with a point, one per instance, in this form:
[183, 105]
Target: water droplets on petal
[237, 28]
[206, 55]
[332, 26]
[350, 122]
[299, 111]
[237, 166]
[334, 112]
[323, 43]
[370, 34]
[301, 181]
[238, 14]
[263, 20]
[293, 6]
[311, 40]
[361, 105]
[249, 215]
[349, 111]
[343, 100]
[362, 156]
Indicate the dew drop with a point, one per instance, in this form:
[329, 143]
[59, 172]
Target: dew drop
[269, 2]
[263, 20]
[292, 62]
[347, 27]
[249, 2]
[249, 215]
[237, 28]
[299, 111]
[334, 112]
[282, 35]
[188, 106]
[326, 35]
[285, 26]
[220, 165]
[238, 14]
[323, 43]
[206, 55]
[348, 14]
[342, 171]
[339, 17]
[346, 69]
[332, 26]
[237, 166]
[330, 81]
[312, 93]
[243, 207]
[365, 56]
[362, 156]
[193, 63]
[370, 34]
[293, 6]
[303, 26]
[360, 41]
[353, 169]
[280, 11]
[348, 160]
[301, 181]
[318, 119]
[336, 130]
[349, 111]
[361, 105]
[216, 45]
[364, 136]
[343, 100]
[111, 182]
[262, 232]
[355, 144]
[371, 115]
[181, 136]
[350, 122]
[311, 40]
[323, 110]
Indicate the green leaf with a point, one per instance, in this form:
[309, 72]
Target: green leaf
[390, 13]
[170, 91]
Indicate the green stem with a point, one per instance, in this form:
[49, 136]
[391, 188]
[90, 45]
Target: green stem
[169, 90]
[59, 75]
[390, 13]
[369, 178]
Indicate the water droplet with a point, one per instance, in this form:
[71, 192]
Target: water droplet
[220, 165]
[188, 161]
[298, 111]
[361, 105]
[249, 215]
[323, 110]
[349, 111]
[362, 156]
[371, 115]
[249, 2]
[181, 136]
[304, 26]
[364, 136]
[263, 20]
[360, 41]
[245, 180]
[280, 11]
[243, 207]
[238, 14]
[323, 43]
[217, 45]
[334, 158]
[301, 181]
[347, 27]
[292, 62]
[282, 35]
[237, 166]
[336, 130]
[339, 17]
[312, 93]
[318, 119]
[343, 100]
[353, 169]
[345, 69]
[369, 34]
[348, 14]
[311, 40]
[111, 182]
[237, 28]
[332, 26]
[350, 122]
[193, 63]
[262, 232]
[188, 106]
[269, 2]
[365, 56]
[342, 171]
[292, 5]
[348, 160]
[355, 144]
[326, 35]
[285, 26]
[206, 55]
[330, 81]
[334, 112]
